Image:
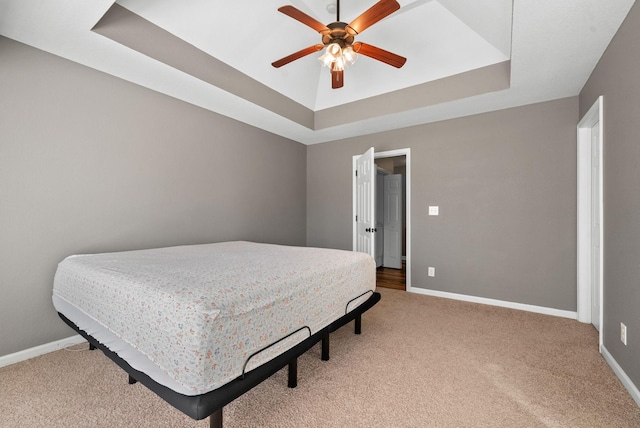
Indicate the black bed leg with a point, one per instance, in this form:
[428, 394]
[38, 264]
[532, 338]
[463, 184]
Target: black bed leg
[325, 347]
[131, 380]
[358, 323]
[293, 373]
[91, 347]
[215, 419]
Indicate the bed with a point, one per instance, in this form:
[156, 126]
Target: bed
[201, 324]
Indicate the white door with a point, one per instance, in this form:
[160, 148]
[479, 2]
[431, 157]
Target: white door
[365, 203]
[595, 226]
[379, 216]
[392, 255]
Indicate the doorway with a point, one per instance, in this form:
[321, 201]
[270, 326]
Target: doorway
[590, 218]
[390, 242]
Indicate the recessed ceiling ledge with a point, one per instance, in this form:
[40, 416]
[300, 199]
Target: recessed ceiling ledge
[483, 80]
[129, 29]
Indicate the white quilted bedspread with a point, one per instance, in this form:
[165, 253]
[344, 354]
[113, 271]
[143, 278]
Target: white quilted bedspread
[198, 312]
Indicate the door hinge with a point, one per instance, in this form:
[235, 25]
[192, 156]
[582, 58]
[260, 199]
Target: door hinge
[356, 172]
[356, 218]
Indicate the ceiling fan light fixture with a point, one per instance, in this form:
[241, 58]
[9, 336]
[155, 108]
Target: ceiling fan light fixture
[337, 58]
[349, 54]
[334, 49]
[338, 64]
[326, 59]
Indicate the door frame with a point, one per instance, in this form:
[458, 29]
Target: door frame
[407, 203]
[584, 233]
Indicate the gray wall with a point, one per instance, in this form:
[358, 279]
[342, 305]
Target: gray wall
[617, 78]
[506, 186]
[91, 163]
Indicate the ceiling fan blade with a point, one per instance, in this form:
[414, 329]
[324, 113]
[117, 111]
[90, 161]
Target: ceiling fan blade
[299, 15]
[379, 54]
[375, 13]
[297, 55]
[337, 79]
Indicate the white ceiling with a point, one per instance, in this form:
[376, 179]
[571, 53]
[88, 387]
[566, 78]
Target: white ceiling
[437, 43]
[553, 46]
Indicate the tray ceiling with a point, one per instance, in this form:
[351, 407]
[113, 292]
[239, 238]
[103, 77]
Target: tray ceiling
[463, 56]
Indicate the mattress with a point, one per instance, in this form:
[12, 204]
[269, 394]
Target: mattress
[196, 317]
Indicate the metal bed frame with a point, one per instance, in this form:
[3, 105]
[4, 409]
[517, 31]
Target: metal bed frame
[211, 404]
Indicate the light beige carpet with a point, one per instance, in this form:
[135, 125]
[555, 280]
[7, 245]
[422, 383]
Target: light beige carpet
[420, 362]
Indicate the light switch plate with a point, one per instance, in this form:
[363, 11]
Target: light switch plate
[433, 210]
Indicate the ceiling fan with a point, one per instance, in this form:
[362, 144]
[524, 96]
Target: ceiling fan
[338, 38]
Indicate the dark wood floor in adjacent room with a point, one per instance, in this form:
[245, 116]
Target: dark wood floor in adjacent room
[392, 278]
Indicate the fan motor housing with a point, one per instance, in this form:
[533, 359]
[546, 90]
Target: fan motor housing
[338, 34]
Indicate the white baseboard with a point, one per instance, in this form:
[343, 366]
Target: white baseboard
[40, 350]
[493, 302]
[626, 381]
